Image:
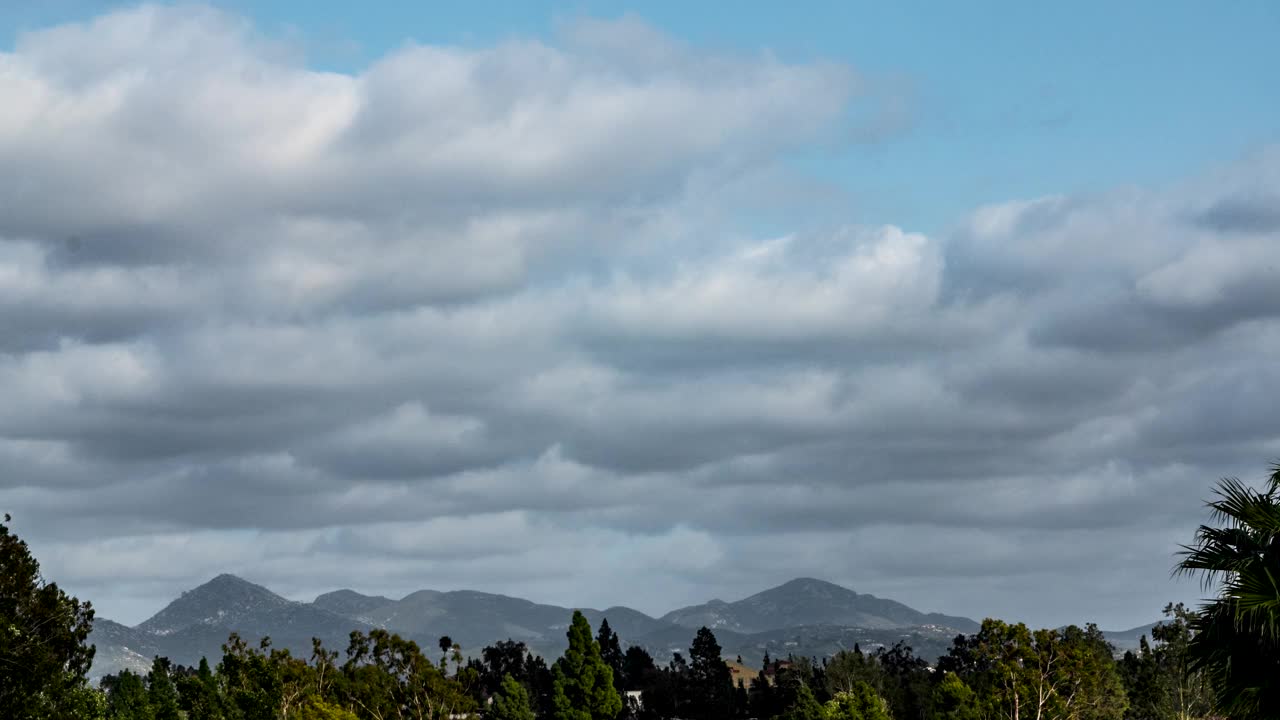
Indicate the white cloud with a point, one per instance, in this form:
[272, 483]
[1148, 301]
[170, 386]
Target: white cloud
[262, 319]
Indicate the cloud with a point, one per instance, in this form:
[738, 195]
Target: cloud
[487, 317]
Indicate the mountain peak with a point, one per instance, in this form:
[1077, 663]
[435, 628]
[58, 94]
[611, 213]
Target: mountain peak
[808, 601]
[227, 580]
[350, 602]
[220, 601]
[808, 584]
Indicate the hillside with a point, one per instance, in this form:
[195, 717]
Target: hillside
[804, 617]
[806, 601]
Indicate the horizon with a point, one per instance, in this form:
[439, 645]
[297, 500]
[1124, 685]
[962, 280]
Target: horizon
[654, 614]
[584, 301]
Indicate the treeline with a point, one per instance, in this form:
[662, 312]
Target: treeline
[1003, 671]
[1221, 661]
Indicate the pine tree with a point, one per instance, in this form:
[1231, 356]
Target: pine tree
[805, 707]
[127, 699]
[44, 653]
[512, 702]
[583, 687]
[161, 692]
[711, 682]
[611, 653]
[953, 700]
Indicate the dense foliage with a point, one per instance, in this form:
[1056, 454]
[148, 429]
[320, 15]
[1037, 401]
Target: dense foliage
[1237, 637]
[1222, 661]
[43, 655]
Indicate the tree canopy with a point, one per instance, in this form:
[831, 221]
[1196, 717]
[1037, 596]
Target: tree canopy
[1236, 639]
[43, 634]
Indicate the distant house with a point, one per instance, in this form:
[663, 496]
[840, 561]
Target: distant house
[634, 699]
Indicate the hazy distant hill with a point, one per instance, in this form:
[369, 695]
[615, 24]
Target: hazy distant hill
[1128, 639]
[804, 617]
[350, 603]
[806, 601]
[197, 624]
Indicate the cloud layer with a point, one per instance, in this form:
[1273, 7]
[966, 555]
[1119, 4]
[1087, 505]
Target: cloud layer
[490, 318]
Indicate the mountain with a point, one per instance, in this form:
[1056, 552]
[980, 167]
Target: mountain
[806, 601]
[230, 602]
[804, 617]
[120, 647]
[475, 619]
[1128, 639]
[350, 603]
[197, 624]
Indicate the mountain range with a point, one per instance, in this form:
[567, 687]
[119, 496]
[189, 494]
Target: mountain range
[803, 617]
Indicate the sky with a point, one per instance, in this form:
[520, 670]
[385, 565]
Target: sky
[596, 304]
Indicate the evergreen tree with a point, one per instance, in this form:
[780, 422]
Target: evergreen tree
[127, 698]
[741, 701]
[43, 636]
[200, 696]
[953, 700]
[761, 701]
[512, 702]
[583, 684]
[501, 659]
[638, 668]
[611, 653]
[804, 707]
[161, 692]
[710, 681]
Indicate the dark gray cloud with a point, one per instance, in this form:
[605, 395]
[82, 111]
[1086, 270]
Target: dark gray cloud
[482, 318]
[1255, 214]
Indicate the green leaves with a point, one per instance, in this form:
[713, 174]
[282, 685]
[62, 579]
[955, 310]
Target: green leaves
[583, 686]
[44, 632]
[512, 702]
[1237, 636]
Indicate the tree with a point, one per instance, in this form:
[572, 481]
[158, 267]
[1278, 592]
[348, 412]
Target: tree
[804, 707]
[1236, 638]
[127, 698]
[321, 710]
[762, 701]
[1158, 678]
[710, 680]
[848, 668]
[200, 696]
[503, 659]
[583, 686]
[611, 653]
[388, 676]
[161, 693]
[43, 636]
[253, 687]
[1018, 673]
[512, 702]
[954, 700]
[1188, 691]
[862, 703]
[446, 644]
[905, 682]
[638, 668]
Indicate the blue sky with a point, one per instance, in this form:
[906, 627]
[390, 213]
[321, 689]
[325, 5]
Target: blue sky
[1002, 99]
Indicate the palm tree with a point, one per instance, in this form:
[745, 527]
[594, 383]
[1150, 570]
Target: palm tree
[1237, 634]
